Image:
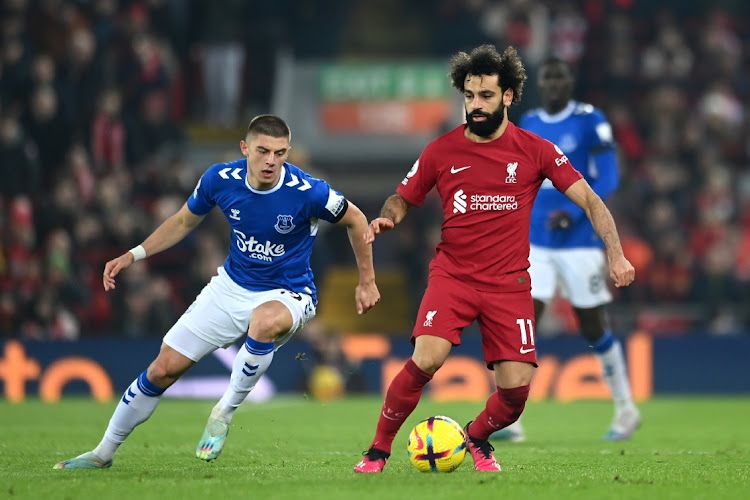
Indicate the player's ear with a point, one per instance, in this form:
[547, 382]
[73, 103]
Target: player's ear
[243, 148]
[508, 96]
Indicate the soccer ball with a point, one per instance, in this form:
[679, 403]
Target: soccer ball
[437, 444]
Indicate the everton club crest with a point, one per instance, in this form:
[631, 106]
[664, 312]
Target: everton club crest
[284, 223]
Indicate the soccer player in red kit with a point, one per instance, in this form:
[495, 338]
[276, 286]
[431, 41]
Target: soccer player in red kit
[487, 173]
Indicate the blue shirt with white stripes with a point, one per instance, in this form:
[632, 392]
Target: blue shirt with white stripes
[272, 230]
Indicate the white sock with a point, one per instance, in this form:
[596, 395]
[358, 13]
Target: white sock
[135, 407]
[614, 371]
[251, 362]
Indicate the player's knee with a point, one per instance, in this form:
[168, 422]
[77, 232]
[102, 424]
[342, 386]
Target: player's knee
[160, 374]
[163, 372]
[265, 332]
[267, 327]
[428, 362]
[592, 323]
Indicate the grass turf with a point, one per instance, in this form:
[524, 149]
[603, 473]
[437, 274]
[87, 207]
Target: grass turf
[293, 447]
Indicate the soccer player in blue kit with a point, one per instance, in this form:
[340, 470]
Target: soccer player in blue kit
[566, 253]
[264, 289]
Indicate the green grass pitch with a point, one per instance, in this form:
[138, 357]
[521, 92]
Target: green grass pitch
[293, 447]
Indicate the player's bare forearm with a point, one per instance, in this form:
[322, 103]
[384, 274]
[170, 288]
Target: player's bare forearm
[620, 269]
[604, 225]
[366, 294]
[170, 232]
[394, 208]
[393, 212]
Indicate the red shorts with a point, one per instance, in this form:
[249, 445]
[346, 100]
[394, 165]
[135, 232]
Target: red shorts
[506, 320]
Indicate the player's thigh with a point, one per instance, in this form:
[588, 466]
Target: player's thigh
[506, 322]
[448, 306]
[543, 274]
[301, 309]
[583, 276]
[219, 316]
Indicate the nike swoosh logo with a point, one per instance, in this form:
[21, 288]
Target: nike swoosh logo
[455, 170]
[389, 418]
[524, 351]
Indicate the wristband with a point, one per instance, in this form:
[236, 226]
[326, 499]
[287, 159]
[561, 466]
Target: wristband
[138, 252]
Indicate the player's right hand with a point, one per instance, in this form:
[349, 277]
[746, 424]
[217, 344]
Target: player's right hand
[113, 268]
[366, 296]
[378, 226]
[622, 272]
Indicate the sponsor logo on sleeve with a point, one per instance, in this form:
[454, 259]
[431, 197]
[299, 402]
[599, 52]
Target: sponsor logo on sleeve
[411, 173]
[335, 202]
[563, 159]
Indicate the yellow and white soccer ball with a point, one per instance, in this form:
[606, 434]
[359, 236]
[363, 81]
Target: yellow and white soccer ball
[437, 444]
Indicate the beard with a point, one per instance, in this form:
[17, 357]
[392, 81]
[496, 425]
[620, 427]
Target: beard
[487, 127]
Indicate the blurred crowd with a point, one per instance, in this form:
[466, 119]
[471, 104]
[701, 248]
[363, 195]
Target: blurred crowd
[95, 96]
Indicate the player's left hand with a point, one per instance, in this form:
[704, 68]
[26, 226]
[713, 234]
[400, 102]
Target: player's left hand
[559, 220]
[622, 272]
[366, 295]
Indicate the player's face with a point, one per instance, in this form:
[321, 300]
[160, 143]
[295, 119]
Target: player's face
[555, 85]
[483, 99]
[265, 156]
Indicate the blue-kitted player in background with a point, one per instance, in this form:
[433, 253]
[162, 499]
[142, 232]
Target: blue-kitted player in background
[566, 253]
[264, 290]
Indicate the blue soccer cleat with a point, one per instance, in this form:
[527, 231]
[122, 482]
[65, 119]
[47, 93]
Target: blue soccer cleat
[624, 425]
[210, 446]
[86, 461]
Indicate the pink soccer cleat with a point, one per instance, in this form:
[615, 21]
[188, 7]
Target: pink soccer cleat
[481, 452]
[373, 461]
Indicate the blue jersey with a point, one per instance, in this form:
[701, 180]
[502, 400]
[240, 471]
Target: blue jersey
[273, 230]
[585, 136]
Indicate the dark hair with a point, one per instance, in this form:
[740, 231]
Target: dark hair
[270, 125]
[485, 60]
[554, 61]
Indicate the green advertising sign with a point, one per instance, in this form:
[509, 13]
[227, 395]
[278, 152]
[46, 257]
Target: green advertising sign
[374, 82]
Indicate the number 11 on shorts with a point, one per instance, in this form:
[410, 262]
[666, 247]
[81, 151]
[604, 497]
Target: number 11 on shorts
[527, 337]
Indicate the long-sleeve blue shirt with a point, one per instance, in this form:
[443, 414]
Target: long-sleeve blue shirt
[585, 136]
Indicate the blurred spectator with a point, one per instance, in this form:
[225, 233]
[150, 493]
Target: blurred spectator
[668, 58]
[19, 168]
[108, 132]
[220, 47]
[83, 72]
[50, 129]
[152, 132]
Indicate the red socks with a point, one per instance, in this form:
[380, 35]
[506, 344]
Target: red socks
[400, 400]
[503, 408]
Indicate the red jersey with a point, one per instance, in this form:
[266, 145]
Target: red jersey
[487, 191]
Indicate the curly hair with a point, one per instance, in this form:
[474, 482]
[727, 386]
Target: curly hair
[485, 60]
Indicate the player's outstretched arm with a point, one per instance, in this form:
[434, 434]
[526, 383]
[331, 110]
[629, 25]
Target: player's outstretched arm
[393, 212]
[366, 295]
[620, 269]
[169, 233]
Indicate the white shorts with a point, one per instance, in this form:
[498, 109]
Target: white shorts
[579, 274]
[220, 316]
